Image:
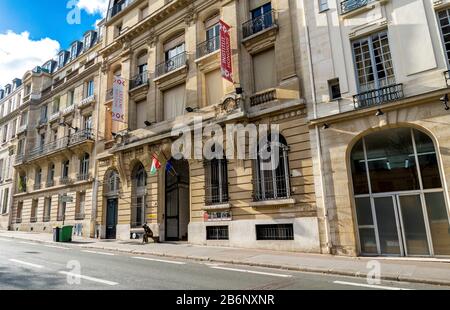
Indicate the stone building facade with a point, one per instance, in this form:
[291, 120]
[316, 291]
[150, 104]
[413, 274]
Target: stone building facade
[377, 97]
[168, 52]
[10, 104]
[55, 162]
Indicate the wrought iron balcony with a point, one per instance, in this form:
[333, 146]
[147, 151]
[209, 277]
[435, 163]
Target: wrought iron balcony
[259, 24]
[447, 77]
[119, 7]
[48, 148]
[209, 46]
[37, 186]
[171, 64]
[83, 177]
[81, 136]
[139, 80]
[263, 97]
[80, 216]
[65, 181]
[351, 5]
[33, 219]
[378, 96]
[50, 183]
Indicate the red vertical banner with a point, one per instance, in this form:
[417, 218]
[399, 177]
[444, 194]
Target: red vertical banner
[225, 52]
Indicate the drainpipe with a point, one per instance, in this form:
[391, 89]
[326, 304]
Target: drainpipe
[317, 131]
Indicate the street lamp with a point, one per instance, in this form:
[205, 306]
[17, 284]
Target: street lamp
[64, 124]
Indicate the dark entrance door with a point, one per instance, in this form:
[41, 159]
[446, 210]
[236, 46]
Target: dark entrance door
[177, 201]
[111, 218]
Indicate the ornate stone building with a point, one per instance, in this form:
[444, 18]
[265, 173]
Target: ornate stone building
[55, 162]
[169, 54]
[10, 105]
[377, 96]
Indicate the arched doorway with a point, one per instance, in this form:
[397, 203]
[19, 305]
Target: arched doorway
[400, 201]
[111, 196]
[177, 201]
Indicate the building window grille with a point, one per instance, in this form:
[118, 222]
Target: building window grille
[275, 232]
[217, 233]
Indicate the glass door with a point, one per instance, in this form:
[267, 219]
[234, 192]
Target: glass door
[388, 227]
[413, 225]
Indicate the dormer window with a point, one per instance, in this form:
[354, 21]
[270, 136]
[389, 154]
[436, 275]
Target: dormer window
[62, 59]
[8, 89]
[74, 51]
[87, 41]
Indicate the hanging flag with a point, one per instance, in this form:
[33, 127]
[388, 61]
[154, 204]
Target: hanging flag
[226, 65]
[118, 113]
[169, 166]
[156, 165]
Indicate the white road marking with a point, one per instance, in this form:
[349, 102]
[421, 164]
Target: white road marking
[88, 278]
[5, 240]
[99, 253]
[29, 243]
[56, 247]
[255, 272]
[160, 260]
[372, 286]
[26, 263]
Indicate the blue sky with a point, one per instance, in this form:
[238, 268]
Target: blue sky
[32, 32]
[43, 18]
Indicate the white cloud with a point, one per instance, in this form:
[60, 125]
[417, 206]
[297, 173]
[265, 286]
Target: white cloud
[19, 53]
[94, 6]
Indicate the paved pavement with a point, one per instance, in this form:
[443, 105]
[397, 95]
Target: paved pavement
[423, 271]
[33, 265]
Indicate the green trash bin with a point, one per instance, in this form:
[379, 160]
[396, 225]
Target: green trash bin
[66, 234]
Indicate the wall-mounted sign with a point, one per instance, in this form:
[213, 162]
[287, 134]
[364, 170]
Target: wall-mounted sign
[118, 110]
[218, 216]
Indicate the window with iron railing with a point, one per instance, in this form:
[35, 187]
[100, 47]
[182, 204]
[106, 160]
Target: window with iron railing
[271, 178]
[262, 18]
[216, 187]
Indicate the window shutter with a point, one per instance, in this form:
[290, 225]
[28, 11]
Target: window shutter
[214, 87]
[264, 70]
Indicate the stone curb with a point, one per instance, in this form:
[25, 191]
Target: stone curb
[356, 274]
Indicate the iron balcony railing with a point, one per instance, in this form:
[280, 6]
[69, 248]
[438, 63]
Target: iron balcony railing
[65, 181]
[447, 77]
[80, 216]
[81, 136]
[33, 219]
[268, 96]
[351, 5]
[46, 219]
[50, 183]
[209, 46]
[378, 96]
[139, 80]
[37, 186]
[271, 187]
[119, 7]
[83, 177]
[259, 24]
[171, 64]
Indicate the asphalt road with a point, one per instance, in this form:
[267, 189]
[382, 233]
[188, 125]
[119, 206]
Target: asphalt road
[28, 265]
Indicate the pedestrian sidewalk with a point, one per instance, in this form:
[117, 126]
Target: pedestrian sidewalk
[429, 271]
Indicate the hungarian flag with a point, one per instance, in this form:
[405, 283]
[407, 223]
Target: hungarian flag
[156, 165]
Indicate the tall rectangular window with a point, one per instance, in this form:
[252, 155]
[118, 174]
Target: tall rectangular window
[34, 209]
[264, 70]
[214, 87]
[5, 201]
[80, 206]
[24, 118]
[19, 212]
[373, 62]
[2, 162]
[444, 22]
[174, 102]
[5, 133]
[47, 209]
[90, 88]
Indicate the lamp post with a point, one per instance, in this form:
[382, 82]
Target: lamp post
[64, 124]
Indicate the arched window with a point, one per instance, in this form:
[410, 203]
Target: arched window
[216, 181]
[271, 179]
[399, 197]
[139, 189]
